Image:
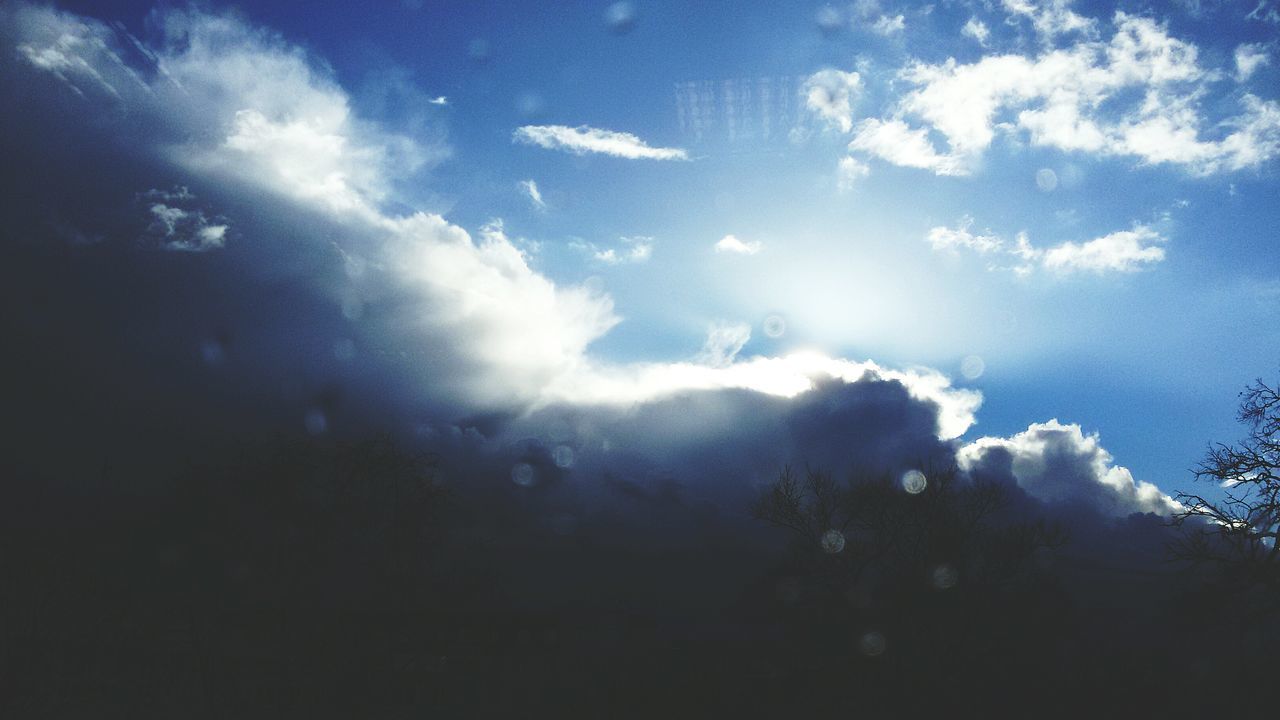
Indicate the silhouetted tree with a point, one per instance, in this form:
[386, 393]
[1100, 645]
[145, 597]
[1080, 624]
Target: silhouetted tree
[939, 573]
[1234, 532]
[860, 530]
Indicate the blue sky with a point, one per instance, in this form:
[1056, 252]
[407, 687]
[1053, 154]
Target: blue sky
[1101, 237]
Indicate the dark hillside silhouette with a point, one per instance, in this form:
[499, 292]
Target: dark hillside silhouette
[304, 577]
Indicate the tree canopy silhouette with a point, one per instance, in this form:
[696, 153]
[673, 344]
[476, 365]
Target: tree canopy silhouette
[1234, 532]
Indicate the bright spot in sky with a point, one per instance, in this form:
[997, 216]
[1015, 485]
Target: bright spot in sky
[833, 542]
[914, 482]
[1046, 179]
[972, 367]
[775, 326]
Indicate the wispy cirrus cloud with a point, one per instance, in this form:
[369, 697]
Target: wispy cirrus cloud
[959, 237]
[627, 251]
[584, 140]
[724, 341]
[1122, 251]
[530, 189]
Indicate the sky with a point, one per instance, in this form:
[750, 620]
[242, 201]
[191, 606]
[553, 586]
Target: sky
[1047, 226]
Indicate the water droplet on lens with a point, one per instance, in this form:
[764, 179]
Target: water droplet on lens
[775, 326]
[972, 367]
[212, 352]
[914, 482]
[833, 542]
[529, 103]
[872, 643]
[1046, 179]
[316, 422]
[563, 455]
[944, 576]
[523, 474]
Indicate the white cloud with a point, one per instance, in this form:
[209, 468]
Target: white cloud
[977, 30]
[1136, 95]
[849, 171]
[583, 139]
[944, 238]
[1050, 18]
[517, 329]
[898, 143]
[279, 120]
[176, 225]
[1121, 251]
[636, 249]
[308, 157]
[886, 25]
[869, 14]
[1057, 462]
[1248, 59]
[731, 244]
[724, 342]
[786, 376]
[530, 189]
[438, 100]
[185, 230]
[831, 94]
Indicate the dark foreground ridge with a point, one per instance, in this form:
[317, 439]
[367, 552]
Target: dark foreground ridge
[292, 577]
